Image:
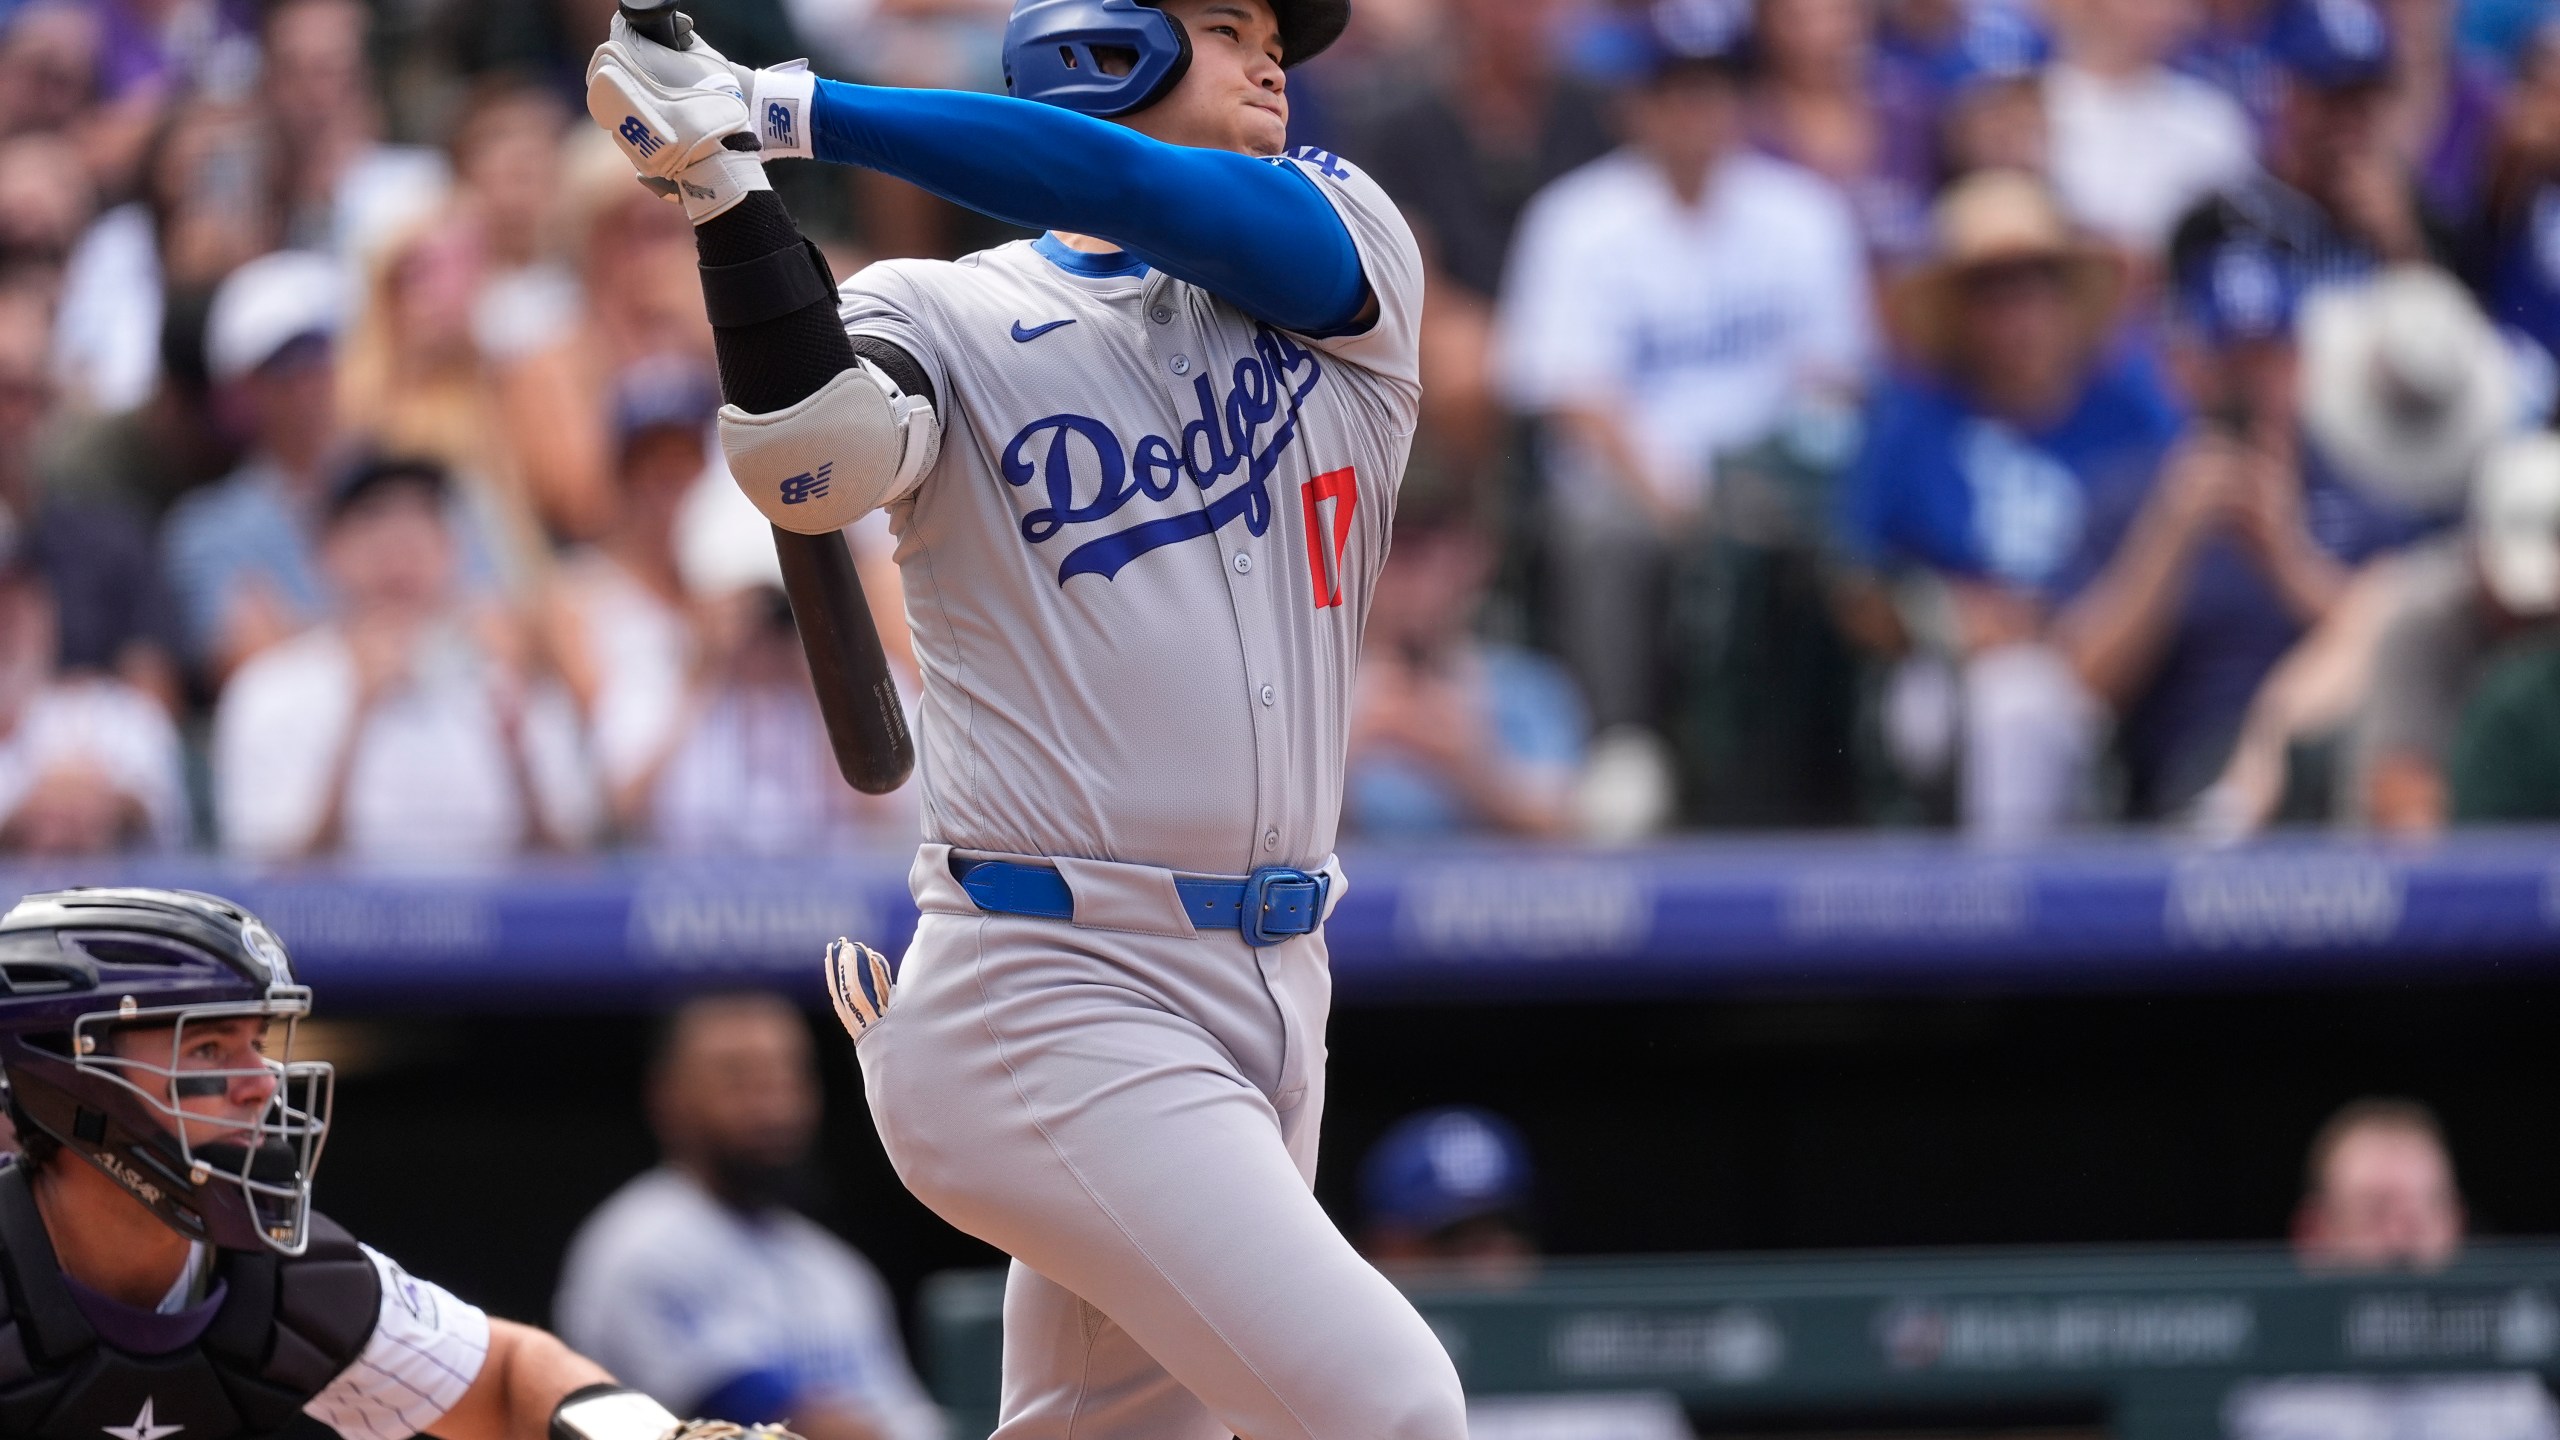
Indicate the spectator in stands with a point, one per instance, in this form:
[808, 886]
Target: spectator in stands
[2378, 1191]
[2401, 387]
[406, 728]
[412, 381]
[1991, 112]
[745, 767]
[111, 615]
[2136, 143]
[2335, 200]
[1821, 100]
[46, 201]
[2441, 111]
[505, 150]
[620, 617]
[2229, 48]
[48, 66]
[1450, 732]
[2515, 252]
[1680, 298]
[1494, 118]
[1972, 489]
[1448, 1191]
[240, 552]
[2379, 1195]
[344, 189]
[2506, 757]
[1463, 151]
[143, 56]
[700, 1284]
[1450, 1184]
[142, 459]
[642, 299]
[203, 210]
[88, 764]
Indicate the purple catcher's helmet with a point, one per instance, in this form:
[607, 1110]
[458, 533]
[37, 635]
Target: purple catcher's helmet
[78, 966]
[1061, 52]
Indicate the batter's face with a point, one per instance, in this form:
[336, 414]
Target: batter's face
[1235, 95]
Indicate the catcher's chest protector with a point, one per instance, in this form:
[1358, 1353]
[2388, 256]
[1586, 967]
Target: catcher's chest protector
[285, 1329]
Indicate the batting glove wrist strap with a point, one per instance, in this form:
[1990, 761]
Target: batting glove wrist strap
[779, 101]
[715, 184]
[612, 1412]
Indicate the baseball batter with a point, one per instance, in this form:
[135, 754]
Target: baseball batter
[1141, 471]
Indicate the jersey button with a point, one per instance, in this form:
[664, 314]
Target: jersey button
[1181, 364]
[1162, 314]
[1244, 563]
[1270, 839]
[1269, 695]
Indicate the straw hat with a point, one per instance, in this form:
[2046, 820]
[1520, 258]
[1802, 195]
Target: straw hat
[1995, 218]
[2404, 385]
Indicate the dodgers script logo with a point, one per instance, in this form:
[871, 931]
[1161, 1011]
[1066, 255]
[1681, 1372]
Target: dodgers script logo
[1265, 386]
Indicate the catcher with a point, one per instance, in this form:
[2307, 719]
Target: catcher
[165, 1275]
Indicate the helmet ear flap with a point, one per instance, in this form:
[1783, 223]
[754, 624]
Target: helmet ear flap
[1181, 65]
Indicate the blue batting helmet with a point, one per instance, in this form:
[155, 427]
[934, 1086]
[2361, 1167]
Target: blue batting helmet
[1109, 57]
[81, 972]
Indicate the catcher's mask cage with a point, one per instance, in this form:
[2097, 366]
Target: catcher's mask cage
[90, 976]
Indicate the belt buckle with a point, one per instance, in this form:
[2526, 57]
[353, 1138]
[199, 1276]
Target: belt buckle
[1298, 895]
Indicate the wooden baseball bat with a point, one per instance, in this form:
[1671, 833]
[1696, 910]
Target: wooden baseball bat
[866, 726]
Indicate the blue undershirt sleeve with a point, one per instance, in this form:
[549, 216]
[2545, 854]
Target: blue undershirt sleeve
[1255, 233]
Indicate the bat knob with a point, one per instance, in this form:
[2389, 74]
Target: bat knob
[660, 22]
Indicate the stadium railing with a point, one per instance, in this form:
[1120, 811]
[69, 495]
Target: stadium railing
[2150, 1344]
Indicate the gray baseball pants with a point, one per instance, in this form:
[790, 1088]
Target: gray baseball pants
[1129, 1108]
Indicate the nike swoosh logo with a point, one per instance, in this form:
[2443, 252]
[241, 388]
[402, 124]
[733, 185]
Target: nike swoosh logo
[1025, 337]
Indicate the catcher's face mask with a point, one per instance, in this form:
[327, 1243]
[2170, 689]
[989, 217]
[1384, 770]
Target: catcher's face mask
[234, 1109]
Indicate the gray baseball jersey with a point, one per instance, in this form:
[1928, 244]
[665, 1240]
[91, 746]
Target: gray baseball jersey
[1136, 578]
[1137, 573]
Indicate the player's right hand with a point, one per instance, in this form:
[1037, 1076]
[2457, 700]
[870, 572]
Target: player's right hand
[680, 117]
[858, 981]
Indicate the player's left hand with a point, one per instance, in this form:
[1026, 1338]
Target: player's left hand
[859, 980]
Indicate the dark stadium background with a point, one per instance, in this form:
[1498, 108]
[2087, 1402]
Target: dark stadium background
[1771, 1122]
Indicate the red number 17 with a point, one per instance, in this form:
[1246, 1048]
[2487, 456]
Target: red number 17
[1324, 566]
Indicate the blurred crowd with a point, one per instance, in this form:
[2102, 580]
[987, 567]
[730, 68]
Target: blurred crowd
[2006, 414]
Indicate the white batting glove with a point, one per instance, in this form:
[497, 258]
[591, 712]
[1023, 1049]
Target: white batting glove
[859, 982]
[672, 112]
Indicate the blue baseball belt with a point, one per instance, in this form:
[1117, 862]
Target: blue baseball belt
[1270, 905]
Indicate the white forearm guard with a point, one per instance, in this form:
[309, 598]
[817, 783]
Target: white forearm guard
[854, 445]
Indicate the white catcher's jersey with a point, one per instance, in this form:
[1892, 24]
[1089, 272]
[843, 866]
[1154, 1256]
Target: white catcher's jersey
[1137, 574]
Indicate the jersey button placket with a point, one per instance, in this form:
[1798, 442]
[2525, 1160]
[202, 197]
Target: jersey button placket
[1181, 365]
[1244, 563]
